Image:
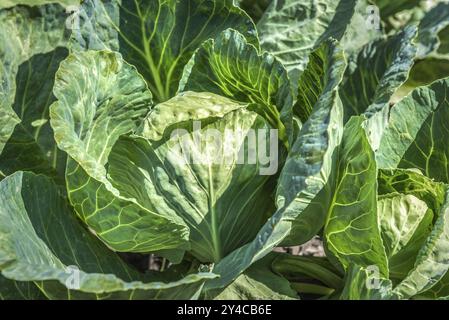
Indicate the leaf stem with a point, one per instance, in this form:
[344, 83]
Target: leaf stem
[213, 213]
[309, 288]
[163, 264]
[302, 265]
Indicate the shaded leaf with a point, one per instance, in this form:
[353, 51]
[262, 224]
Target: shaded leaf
[412, 182]
[423, 73]
[32, 146]
[389, 8]
[304, 270]
[11, 3]
[101, 97]
[24, 32]
[254, 8]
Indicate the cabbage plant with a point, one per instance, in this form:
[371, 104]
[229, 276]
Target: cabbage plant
[207, 134]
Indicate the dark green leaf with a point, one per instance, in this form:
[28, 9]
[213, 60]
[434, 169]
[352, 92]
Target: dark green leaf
[11, 3]
[32, 146]
[14, 290]
[254, 8]
[301, 270]
[433, 29]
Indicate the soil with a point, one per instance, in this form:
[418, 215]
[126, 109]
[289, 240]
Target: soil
[314, 247]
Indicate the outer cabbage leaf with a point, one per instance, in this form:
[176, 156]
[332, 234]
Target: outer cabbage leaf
[25, 32]
[439, 291]
[189, 160]
[64, 259]
[291, 29]
[101, 97]
[416, 136]
[352, 230]
[233, 68]
[433, 51]
[158, 37]
[304, 175]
